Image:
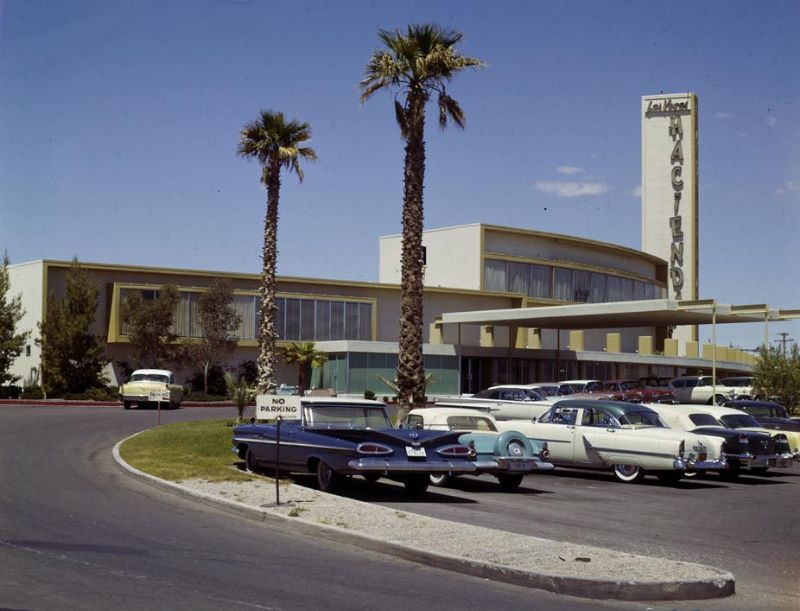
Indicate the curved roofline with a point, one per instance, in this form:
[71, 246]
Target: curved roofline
[625, 250]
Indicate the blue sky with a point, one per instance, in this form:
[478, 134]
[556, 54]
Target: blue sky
[119, 124]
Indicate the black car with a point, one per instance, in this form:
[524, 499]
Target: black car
[743, 449]
[772, 416]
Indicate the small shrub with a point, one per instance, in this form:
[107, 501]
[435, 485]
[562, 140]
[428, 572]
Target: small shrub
[12, 391]
[100, 394]
[33, 392]
[368, 394]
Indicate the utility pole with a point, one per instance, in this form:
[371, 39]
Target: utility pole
[785, 339]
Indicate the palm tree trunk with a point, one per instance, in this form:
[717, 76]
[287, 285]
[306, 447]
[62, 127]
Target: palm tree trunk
[410, 367]
[267, 336]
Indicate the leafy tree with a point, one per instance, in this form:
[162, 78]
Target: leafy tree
[11, 312]
[776, 376]
[72, 356]
[219, 321]
[416, 64]
[306, 356]
[276, 144]
[150, 326]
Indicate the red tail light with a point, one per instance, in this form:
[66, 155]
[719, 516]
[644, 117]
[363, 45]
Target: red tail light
[456, 451]
[374, 449]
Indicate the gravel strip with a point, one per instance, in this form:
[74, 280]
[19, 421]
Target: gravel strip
[509, 550]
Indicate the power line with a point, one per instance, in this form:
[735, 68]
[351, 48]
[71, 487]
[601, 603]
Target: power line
[785, 339]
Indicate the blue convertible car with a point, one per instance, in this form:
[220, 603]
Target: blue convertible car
[336, 438]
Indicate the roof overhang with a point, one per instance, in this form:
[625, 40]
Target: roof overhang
[656, 312]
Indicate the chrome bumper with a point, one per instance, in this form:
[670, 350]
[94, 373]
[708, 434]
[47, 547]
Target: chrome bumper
[513, 465]
[765, 460]
[373, 465]
[707, 465]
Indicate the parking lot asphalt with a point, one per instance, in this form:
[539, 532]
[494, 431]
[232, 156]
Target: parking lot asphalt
[750, 527]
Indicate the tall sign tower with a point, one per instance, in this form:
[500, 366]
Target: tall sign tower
[669, 193]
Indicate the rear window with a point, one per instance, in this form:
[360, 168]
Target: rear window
[703, 420]
[470, 423]
[737, 421]
[640, 419]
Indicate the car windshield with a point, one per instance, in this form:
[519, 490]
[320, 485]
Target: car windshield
[639, 419]
[149, 377]
[346, 417]
[738, 421]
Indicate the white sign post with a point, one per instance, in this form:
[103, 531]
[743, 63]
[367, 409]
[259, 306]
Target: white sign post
[270, 407]
[158, 396]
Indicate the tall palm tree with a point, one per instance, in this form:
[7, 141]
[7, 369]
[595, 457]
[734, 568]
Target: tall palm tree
[416, 64]
[276, 144]
[306, 355]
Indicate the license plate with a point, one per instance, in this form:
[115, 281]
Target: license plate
[517, 466]
[415, 452]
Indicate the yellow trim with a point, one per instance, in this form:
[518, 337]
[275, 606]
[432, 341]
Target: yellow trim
[482, 257]
[256, 277]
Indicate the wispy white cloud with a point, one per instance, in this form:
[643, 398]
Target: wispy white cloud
[569, 169]
[571, 189]
[723, 116]
[772, 121]
[636, 191]
[788, 187]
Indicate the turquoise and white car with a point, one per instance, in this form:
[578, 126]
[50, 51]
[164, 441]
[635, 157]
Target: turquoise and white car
[509, 455]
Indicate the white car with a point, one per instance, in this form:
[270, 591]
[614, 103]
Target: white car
[547, 391]
[700, 389]
[503, 402]
[572, 387]
[627, 438]
[742, 385]
[508, 455]
[150, 387]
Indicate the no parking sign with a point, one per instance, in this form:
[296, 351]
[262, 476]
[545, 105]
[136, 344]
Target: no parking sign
[269, 407]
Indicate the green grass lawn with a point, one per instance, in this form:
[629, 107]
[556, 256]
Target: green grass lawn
[186, 450]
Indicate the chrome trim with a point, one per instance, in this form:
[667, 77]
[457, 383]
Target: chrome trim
[704, 465]
[362, 465]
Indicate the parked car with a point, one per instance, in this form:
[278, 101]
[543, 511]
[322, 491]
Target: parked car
[627, 438]
[742, 384]
[751, 450]
[700, 389]
[635, 391]
[503, 402]
[773, 417]
[336, 438]
[508, 455]
[655, 381]
[147, 387]
[571, 387]
[549, 390]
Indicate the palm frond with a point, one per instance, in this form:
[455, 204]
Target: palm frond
[448, 107]
[272, 137]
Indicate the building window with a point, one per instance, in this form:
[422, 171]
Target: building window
[563, 284]
[296, 319]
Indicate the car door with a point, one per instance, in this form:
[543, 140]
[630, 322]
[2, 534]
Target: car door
[596, 436]
[558, 429]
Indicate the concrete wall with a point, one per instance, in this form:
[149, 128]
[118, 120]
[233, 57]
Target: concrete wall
[453, 257]
[26, 280]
